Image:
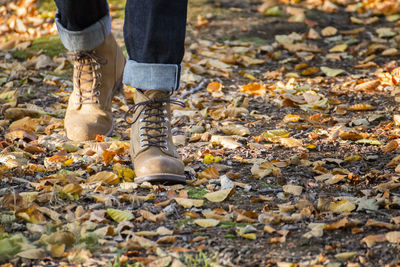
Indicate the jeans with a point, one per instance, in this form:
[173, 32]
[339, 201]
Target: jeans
[154, 33]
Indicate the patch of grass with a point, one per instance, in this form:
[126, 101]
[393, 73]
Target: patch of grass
[198, 259]
[230, 236]
[250, 39]
[196, 192]
[227, 224]
[181, 223]
[50, 45]
[46, 6]
[21, 54]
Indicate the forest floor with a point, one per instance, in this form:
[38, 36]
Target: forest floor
[289, 134]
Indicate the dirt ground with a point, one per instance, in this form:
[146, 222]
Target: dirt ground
[311, 155]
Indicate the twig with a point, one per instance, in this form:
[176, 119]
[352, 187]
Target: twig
[193, 90]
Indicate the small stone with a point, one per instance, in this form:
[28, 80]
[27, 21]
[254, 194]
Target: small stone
[226, 183]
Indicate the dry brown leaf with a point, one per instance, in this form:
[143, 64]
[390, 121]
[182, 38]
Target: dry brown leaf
[371, 240]
[209, 173]
[206, 222]
[188, 203]
[105, 177]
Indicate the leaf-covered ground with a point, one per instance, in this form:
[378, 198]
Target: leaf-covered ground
[289, 135]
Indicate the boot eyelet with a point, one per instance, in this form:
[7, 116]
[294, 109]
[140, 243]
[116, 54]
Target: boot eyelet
[97, 93]
[141, 146]
[97, 101]
[141, 128]
[165, 148]
[99, 75]
[141, 120]
[165, 111]
[166, 120]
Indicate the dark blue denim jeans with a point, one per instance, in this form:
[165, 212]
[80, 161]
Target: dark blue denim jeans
[154, 33]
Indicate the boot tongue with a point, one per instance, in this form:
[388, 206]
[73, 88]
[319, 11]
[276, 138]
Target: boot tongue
[155, 94]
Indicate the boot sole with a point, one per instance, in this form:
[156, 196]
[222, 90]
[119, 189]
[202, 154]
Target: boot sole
[166, 178]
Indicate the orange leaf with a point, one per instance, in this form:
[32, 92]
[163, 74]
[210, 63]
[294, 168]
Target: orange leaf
[361, 107]
[392, 145]
[108, 156]
[214, 87]
[100, 138]
[209, 173]
[254, 89]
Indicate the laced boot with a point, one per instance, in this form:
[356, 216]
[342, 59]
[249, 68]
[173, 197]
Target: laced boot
[97, 76]
[153, 153]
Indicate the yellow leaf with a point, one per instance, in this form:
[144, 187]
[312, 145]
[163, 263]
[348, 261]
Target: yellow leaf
[291, 118]
[188, 203]
[251, 236]
[57, 250]
[104, 177]
[342, 206]
[219, 196]
[331, 72]
[72, 189]
[206, 222]
[119, 215]
[208, 158]
[339, 48]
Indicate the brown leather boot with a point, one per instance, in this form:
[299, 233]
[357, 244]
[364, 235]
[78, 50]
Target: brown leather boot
[153, 153]
[97, 76]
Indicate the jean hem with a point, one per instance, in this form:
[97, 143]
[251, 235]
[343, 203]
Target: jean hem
[152, 76]
[86, 39]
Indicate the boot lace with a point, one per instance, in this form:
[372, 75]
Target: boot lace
[154, 117]
[87, 64]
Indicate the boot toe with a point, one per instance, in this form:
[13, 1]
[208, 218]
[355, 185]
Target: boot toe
[160, 164]
[84, 128]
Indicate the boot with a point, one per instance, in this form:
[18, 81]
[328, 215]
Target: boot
[153, 154]
[97, 76]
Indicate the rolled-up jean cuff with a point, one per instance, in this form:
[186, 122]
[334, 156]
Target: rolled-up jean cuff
[87, 39]
[150, 76]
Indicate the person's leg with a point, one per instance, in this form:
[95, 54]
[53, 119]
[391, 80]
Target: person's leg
[85, 30]
[154, 33]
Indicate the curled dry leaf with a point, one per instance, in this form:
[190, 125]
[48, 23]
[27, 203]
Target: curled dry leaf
[219, 196]
[105, 177]
[235, 129]
[188, 203]
[225, 141]
[209, 173]
[342, 206]
[72, 189]
[293, 189]
[206, 222]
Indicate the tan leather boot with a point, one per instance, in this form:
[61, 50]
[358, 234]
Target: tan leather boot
[153, 153]
[97, 76]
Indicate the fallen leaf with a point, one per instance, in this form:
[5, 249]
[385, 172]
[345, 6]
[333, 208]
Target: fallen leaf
[219, 196]
[206, 222]
[119, 215]
[188, 203]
